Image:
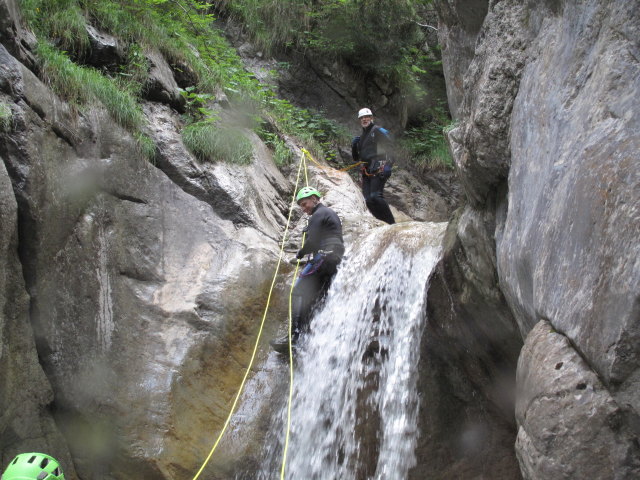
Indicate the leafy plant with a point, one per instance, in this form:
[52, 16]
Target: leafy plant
[282, 155]
[317, 133]
[196, 103]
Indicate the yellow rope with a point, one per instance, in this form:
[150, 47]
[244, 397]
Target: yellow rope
[351, 166]
[264, 316]
[295, 276]
[323, 167]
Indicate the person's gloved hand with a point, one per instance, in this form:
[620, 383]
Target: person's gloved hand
[299, 255]
[386, 171]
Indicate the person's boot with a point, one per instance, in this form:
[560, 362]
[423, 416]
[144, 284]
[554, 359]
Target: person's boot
[281, 345]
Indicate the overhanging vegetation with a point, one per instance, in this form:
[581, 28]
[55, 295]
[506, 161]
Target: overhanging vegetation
[372, 36]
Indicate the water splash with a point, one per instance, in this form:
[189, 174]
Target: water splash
[355, 406]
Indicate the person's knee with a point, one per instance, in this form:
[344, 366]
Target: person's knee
[371, 203]
[375, 199]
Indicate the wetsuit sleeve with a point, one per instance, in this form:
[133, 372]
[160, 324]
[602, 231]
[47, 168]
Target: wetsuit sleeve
[386, 146]
[312, 240]
[324, 229]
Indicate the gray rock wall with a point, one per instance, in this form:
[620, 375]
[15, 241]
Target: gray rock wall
[569, 249]
[25, 391]
[144, 301]
[547, 145]
[468, 359]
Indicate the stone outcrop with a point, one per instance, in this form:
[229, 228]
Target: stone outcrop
[14, 36]
[161, 86]
[546, 144]
[105, 51]
[458, 28]
[570, 424]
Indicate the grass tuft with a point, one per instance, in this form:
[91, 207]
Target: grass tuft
[80, 85]
[62, 21]
[6, 117]
[146, 146]
[211, 142]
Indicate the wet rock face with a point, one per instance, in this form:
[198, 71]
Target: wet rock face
[25, 423]
[569, 248]
[547, 134]
[248, 195]
[467, 361]
[572, 222]
[145, 285]
[144, 300]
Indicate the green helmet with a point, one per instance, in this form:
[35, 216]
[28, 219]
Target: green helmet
[33, 466]
[307, 192]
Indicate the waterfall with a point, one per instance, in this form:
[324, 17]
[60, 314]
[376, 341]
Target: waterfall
[355, 404]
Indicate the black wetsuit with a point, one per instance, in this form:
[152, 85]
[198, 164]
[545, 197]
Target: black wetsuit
[324, 242]
[374, 147]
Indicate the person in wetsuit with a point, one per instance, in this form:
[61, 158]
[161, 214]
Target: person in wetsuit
[325, 247]
[374, 147]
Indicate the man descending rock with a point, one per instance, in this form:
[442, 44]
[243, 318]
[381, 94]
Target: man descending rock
[374, 147]
[324, 244]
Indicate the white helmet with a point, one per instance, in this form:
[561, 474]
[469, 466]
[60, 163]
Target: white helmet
[364, 112]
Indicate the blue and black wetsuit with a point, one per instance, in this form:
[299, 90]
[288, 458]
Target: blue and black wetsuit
[374, 147]
[324, 242]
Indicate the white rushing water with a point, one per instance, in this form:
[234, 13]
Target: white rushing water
[355, 405]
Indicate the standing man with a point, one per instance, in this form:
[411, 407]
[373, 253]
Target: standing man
[324, 244]
[374, 148]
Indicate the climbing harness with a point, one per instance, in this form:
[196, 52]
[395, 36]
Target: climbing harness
[302, 164]
[314, 265]
[377, 172]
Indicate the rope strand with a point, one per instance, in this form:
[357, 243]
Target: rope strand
[264, 316]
